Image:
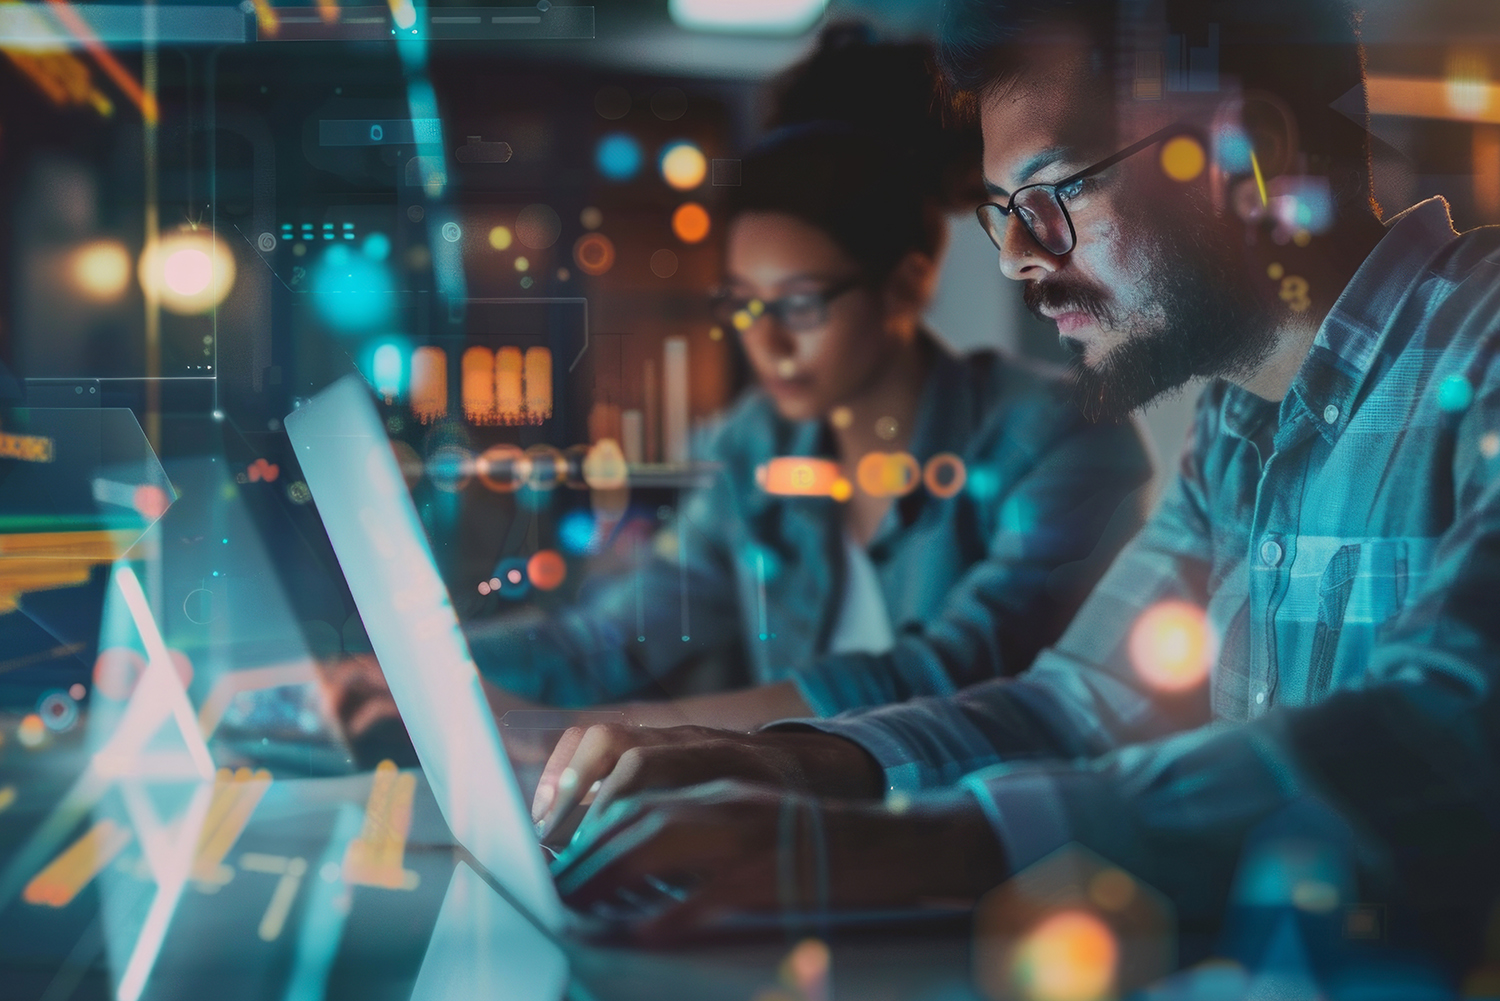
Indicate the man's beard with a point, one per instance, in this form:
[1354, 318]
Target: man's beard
[1215, 324]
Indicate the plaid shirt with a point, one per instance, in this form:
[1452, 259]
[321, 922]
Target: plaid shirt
[1345, 545]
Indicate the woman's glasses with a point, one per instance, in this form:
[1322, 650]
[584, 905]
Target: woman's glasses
[798, 312]
[1043, 208]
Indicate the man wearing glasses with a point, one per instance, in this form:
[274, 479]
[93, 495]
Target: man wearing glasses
[1306, 625]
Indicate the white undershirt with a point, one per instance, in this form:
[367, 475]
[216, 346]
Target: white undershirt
[863, 625]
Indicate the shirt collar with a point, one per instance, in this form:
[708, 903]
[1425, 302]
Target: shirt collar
[1353, 335]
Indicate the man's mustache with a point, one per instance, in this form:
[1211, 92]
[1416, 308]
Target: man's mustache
[1064, 295]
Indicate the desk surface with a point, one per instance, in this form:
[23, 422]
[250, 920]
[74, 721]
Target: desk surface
[302, 889]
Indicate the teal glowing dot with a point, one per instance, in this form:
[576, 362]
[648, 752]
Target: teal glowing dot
[685, 639]
[377, 246]
[1455, 394]
[618, 157]
[983, 483]
[225, 541]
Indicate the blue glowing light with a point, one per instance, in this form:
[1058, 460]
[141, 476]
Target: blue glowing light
[377, 246]
[575, 533]
[1232, 148]
[387, 370]
[353, 291]
[618, 157]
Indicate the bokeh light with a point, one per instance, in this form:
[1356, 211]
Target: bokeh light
[32, 732]
[604, 467]
[429, 384]
[575, 532]
[58, 711]
[548, 467]
[503, 468]
[944, 475]
[101, 270]
[500, 238]
[510, 579]
[1069, 956]
[1173, 646]
[116, 670]
[683, 166]
[618, 157]
[594, 253]
[887, 474]
[387, 366]
[538, 227]
[450, 467]
[1183, 158]
[189, 271]
[591, 218]
[690, 222]
[354, 292]
[150, 501]
[377, 247]
[1467, 83]
[798, 476]
[546, 570]
[664, 264]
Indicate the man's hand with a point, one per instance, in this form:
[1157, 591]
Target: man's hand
[739, 848]
[625, 760]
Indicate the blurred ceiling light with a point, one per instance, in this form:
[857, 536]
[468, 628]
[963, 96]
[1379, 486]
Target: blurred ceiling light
[101, 270]
[189, 270]
[1468, 80]
[790, 17]
[683, 166]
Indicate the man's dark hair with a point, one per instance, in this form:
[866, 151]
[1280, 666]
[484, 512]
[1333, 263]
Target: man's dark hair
[1306, 53]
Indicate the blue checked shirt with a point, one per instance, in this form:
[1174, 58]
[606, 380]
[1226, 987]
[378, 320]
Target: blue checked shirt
[974, 584]
[1345, 545]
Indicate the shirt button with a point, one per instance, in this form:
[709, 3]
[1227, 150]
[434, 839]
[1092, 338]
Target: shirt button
[1331, 414]
[1270, 553]
[1260, 698]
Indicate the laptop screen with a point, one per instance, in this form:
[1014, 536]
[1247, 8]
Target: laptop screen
[347, 461]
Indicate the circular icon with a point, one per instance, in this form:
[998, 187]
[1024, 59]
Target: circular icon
[546, 570]
[945, 475]
[450, 467]
[266, 242]
[594, 253]
[548, 467]
[58, 711]
[451, 232]
[376, 133]
[198, 606]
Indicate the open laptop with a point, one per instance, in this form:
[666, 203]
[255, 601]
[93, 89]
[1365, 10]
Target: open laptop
[372, 523]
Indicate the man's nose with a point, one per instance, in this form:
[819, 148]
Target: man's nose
[1021, 257]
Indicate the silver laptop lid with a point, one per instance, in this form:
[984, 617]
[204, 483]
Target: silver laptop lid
[372, 523]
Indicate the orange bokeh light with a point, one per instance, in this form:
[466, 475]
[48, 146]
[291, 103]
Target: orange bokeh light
[1070, 956]
[594, 253]
[546, 570]
[1172, 646]
[690, 222]
[798, 476]
[888, 474]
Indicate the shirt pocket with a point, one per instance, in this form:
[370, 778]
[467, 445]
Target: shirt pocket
[1362, 588]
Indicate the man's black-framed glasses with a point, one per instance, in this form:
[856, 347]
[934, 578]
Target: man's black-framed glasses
[1042, 208]
[799, 312]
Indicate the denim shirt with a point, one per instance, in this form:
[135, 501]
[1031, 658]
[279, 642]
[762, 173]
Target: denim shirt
[975, 584]
[1350, 576]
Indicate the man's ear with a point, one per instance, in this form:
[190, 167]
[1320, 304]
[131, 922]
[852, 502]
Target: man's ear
[910, 286]
[1255, 132]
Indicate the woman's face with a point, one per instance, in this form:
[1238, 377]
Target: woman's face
[810, 370]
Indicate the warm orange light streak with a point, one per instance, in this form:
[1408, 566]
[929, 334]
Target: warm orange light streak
[798, 476]
[374, 858]
[59, 883]
[538, 368]
[328, 10]
[509, 398]
[429, 384]
[478, 385]
[128, 84]
[236, 795]
[266, 20]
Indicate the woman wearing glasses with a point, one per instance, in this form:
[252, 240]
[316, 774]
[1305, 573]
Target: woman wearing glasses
[891, 520]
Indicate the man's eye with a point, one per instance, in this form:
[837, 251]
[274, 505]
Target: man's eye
[1071, 190]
